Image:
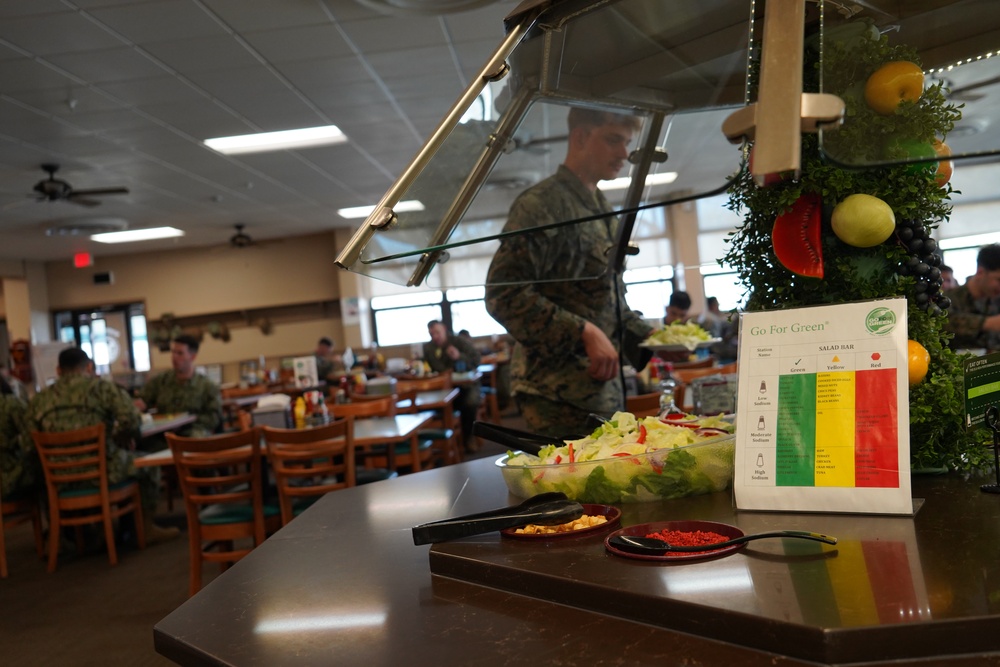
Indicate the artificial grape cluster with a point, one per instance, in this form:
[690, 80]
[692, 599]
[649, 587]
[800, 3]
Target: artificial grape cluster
[923, 264]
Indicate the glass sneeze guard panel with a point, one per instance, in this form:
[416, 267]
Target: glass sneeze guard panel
[955, 43]
[680, 67]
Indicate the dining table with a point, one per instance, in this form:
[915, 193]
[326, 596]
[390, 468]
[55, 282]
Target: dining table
[442, 403]
[164, 423]
[896, 590]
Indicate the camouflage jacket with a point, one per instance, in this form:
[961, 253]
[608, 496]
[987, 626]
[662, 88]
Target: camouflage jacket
[77, 400]
[18, 459]
[965, 320]
[439, 361]
[198, 396]
[544, 286]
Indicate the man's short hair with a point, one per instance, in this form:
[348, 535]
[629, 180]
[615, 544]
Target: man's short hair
[945, 267]
[680, 300]
[434, 322]
[325, 341]
[187, 339]
[711, 302]
[584, 117]
[989, 257]
[73, 359]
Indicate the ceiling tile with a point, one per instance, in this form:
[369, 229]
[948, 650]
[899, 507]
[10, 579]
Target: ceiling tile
[107, 65]
[302, 43]
[56, 33]
[246, 16]
[202, 53]
[158, 21]
[380, 35]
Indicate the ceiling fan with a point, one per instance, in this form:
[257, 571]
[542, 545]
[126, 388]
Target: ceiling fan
[241, 239]
[54, 189]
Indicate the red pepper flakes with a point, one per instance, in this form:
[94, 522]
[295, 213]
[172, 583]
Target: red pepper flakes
[688, 538]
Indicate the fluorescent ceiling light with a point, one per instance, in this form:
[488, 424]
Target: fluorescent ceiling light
[137, 235]
[653, 179]
[974, 241]
[365, 211]
[277, 141]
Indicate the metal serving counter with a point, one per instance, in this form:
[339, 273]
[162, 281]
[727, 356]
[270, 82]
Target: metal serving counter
[343, 584]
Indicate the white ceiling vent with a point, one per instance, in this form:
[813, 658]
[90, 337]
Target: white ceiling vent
[86, 226]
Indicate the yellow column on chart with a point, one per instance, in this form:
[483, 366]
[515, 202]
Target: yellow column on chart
[835, 429]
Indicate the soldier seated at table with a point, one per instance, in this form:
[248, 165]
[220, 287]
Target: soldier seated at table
[446, 352]
[182, 390]
[78, 399]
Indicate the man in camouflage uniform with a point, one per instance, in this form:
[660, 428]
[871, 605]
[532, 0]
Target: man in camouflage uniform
[974, 315]
[553, 289]
[78, 399]
[183, 390]
[19, 467]
[445, 352]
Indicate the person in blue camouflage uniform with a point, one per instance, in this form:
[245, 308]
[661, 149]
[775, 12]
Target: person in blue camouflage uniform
[78, 399]
[554, 291]
[183, 390]
[19, 466]
[974, 314]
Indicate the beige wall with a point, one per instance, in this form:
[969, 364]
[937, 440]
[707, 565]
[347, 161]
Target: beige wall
[205, 281]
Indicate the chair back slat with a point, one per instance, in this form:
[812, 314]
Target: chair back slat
[310, 462]
[384, 406]
[221, 480]
[76, 460]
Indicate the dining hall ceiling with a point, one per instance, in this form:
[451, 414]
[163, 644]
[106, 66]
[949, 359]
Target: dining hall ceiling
[121, 93]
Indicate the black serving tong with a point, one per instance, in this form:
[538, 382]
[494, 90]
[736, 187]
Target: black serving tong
[529, 443]
[545, 509]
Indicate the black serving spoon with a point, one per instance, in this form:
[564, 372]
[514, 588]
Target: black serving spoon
[651, 546]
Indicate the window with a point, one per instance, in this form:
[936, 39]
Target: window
[468, 311]
[114, 337]
[648, 289]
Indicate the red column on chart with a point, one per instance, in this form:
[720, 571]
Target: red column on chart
[876, 438]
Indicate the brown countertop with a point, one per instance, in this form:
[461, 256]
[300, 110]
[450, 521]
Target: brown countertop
[344, 584]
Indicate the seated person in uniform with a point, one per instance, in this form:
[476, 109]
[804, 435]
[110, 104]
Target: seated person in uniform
[78, 399]
[444, 352]
[183, 390]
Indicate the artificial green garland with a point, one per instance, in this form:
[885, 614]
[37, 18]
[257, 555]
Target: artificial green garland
[937, 435]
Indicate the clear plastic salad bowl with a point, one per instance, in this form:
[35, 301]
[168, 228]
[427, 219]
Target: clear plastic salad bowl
[627, 475]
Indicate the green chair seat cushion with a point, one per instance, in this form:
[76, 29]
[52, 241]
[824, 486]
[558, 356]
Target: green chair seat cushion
[92, 490]
[436, 433]
[222, 513]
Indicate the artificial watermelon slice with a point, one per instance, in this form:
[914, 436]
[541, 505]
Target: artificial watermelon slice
[796, 237]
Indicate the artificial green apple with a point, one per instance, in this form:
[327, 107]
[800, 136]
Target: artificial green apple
[863, 221]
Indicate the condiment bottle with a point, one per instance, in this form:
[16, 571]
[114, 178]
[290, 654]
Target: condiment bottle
[668, 387]
[300, 412]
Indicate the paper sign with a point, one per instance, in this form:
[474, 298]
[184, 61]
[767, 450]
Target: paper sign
[982, 388]
[822, 418]
[306, 375]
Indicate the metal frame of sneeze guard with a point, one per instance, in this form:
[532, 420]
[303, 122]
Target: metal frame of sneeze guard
[383, 216]
[775, 123]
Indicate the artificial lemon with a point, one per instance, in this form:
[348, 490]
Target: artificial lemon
[918, 359]
[863, 221]
[893, 83]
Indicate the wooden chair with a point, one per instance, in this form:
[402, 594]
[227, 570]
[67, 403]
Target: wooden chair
[444, 431]
[240, 392]
[383, 406]
[643, 405]
[14, 512]
[309, 463]
[76, 478]
[222, 484]
[707, 362]
[441, 381]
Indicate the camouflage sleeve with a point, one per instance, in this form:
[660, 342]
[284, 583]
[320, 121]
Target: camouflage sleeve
[469, 354]
[150, 390]
[636, 331]
[127, 416]
[209, 417]
[518, 305]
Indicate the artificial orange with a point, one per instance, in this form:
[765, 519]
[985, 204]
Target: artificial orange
[918, 359]
[893, 83]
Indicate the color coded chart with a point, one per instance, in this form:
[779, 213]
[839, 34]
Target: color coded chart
[823, 409]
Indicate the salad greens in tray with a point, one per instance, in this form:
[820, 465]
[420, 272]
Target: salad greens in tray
[630, 460]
